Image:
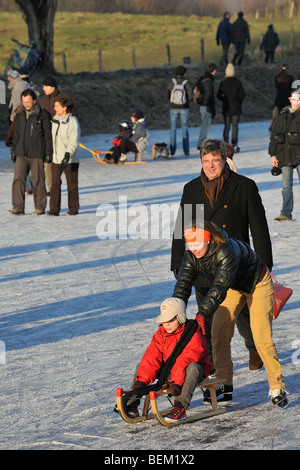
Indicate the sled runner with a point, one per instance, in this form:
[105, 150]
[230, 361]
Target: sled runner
[151, 400]
[97, 156]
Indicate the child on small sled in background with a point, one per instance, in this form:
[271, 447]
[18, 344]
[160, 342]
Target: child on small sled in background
[190, 367]
[125, 132]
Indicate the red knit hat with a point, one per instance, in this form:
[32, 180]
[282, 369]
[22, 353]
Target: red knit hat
[192, 235]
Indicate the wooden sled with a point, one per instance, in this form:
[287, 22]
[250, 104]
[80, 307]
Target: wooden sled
[163, 151]
[96, 155]
[151, 400]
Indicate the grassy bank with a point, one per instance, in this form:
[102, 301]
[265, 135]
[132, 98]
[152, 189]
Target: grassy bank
[80, 36]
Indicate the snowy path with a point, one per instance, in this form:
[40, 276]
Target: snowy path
[77, 313]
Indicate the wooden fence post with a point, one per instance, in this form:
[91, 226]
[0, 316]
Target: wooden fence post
[169, 54]
[202, 50]
[100, 60]
[64, 59]
[133, 58]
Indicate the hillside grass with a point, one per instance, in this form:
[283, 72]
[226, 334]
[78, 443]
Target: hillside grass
[81, 35]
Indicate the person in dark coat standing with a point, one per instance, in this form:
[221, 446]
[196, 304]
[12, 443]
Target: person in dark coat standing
[269, 43]
[232, 94]
[284, 149]
[224, 35]
[31, 146]
[207, 106]
[240, 35]
[231, 201]
[46, 101]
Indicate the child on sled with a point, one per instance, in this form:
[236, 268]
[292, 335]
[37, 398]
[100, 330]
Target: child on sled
[190, 367]
[125, 132]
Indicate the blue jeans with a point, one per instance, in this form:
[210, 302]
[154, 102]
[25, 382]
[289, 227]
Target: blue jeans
[206, 123]
[287, 189]
[183, 114]
[234, 120]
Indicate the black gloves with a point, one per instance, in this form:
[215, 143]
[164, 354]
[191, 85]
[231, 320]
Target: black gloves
[48, 159]
[66, 160]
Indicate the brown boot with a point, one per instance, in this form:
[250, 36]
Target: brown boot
[255, 361]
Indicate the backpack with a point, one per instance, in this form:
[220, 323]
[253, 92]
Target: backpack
[178, 93]
[198, 92]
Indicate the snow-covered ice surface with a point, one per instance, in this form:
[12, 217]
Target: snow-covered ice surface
[77, 312]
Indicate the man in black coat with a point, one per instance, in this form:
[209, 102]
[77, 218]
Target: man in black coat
[233, 203]
[269, 43]
[232, 94]
[284, 148]
[31, 146]
[240, 35]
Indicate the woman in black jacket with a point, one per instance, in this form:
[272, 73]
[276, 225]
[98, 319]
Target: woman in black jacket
[237, 276]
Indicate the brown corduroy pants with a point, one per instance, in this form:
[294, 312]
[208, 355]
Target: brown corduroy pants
[260, 304]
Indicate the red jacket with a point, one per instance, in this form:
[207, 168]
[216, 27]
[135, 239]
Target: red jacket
[161, 347]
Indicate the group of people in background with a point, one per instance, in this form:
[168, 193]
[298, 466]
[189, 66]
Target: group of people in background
[238, 34]
[231, 93]
[44, 137]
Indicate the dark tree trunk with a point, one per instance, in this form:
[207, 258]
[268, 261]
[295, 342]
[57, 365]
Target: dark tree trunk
[39, 16]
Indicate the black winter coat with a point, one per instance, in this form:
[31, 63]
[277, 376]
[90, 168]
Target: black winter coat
[285, 138]
[238, 209]
[240, 31]
[283, 92]
[224, 32]
[232, 94]
[233, 266]
[32, 136]
[207, 82]
[270, 41]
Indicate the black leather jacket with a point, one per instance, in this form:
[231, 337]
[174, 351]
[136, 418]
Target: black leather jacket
[233, 266]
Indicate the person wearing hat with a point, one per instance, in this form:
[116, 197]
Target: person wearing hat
[190, 368]
[237, 277]
[47, 101]
[179, 93]
[138, 140]
[269, 43]
[232, 94]
[16, 86]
